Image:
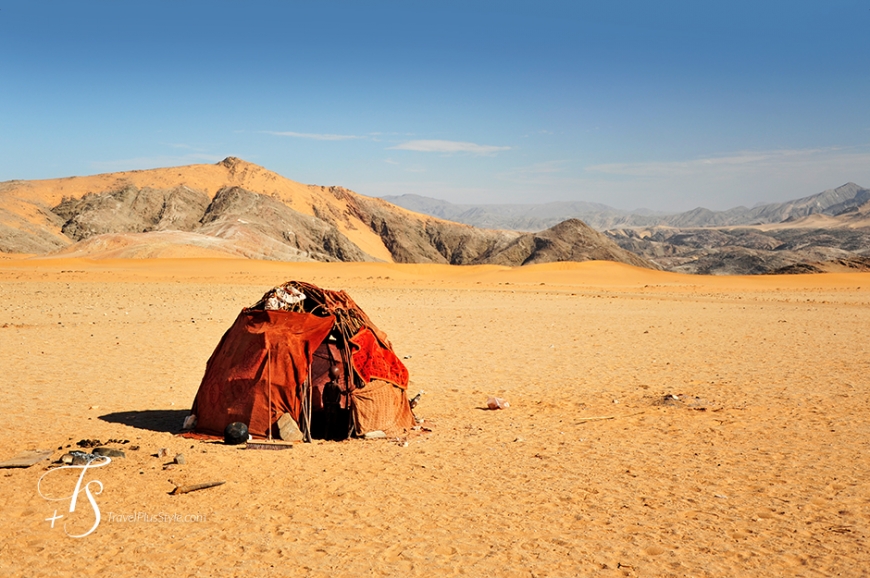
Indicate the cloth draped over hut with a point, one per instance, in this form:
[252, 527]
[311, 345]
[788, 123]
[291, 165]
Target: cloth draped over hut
[311, 354]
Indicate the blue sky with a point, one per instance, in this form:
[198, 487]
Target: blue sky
[664, 105]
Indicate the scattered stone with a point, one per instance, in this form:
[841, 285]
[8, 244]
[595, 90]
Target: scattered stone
[89, 443]
[375, 435]
[520, 440]
[134, 448]
[82, 458]
[189, 422]
[669, 399]
[66, 459]
[162, 452]
[180, 460]
[109, 452]
[288, 430]
[169, 467]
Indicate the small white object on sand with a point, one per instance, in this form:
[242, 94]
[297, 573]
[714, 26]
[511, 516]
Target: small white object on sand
[496, 403]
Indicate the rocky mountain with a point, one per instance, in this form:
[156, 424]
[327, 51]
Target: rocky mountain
[531, 217]
[236, 209]
[131, 210]
[830, 202]
[525, 217]
[829, 231]
[571, 240]
[749, 251]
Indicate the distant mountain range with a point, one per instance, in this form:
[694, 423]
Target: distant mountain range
[534, 217]
[828, 231]
[238, 209]
[750, 250]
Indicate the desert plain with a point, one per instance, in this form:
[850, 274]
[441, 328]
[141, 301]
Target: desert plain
[735, 441]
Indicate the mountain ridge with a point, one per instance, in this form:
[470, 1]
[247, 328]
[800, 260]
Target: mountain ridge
[533, 217]
[240, 209]
[236, 209]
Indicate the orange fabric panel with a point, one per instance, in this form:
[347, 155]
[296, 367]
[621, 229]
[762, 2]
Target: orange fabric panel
[254, 374]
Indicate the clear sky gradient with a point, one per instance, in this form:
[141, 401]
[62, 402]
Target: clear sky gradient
[663, 105]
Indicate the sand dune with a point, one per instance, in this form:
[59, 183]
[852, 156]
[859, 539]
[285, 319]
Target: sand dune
[756, 468]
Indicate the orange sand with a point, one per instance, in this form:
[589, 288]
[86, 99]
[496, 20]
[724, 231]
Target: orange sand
[769, 479]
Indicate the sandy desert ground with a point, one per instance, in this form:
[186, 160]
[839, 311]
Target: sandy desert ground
[759, 468]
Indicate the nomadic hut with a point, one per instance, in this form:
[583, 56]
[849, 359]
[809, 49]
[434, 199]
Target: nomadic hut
[303, 363]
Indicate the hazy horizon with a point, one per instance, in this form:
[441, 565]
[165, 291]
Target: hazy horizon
[637, 210]
[666, 106]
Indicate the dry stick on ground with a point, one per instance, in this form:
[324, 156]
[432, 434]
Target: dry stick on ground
[273, 445]
[583, 419]
[194, 487]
